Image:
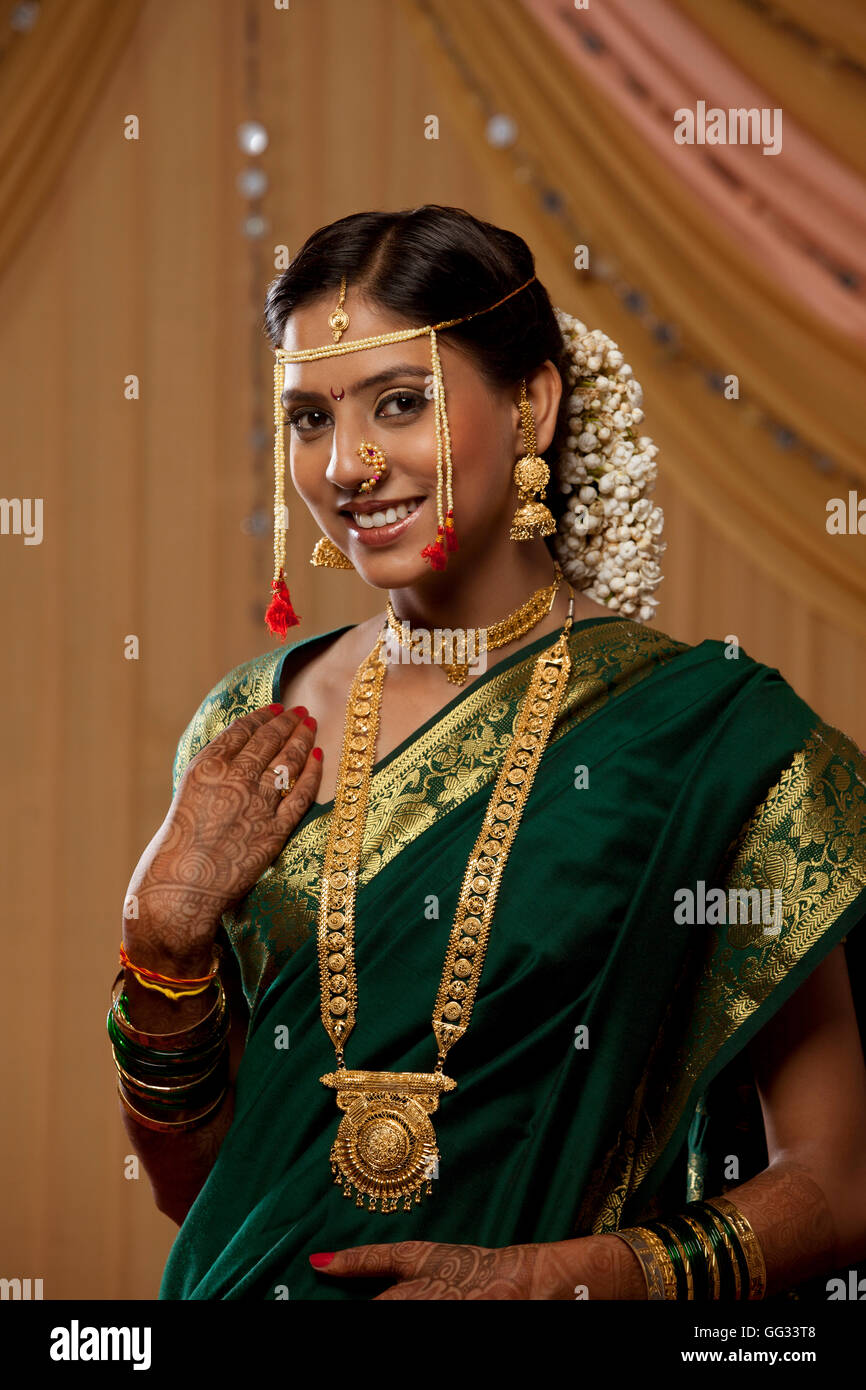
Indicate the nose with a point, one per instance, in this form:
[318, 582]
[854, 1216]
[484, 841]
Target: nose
[346, 470]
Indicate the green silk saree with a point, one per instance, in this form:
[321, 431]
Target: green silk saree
[594, 1084]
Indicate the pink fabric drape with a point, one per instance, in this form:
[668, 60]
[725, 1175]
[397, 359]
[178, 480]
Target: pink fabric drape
[792, 210]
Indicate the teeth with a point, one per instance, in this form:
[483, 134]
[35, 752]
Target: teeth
[387, 518]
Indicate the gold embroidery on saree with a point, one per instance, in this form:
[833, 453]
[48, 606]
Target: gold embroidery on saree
[460, 754]
[808, 838]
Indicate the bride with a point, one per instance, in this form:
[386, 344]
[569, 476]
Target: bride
[458, 1041]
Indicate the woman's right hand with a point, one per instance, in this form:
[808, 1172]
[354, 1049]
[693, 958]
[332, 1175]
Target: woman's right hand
[227, 822]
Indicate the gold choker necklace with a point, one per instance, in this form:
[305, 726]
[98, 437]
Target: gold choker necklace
[386, 1146]
[508, 629]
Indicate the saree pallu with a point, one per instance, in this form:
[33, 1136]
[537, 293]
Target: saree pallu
[601, 1020]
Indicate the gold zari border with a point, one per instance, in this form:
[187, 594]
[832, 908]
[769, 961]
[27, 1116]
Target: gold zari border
[806, 838]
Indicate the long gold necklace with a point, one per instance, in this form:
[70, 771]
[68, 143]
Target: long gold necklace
[386, 1146]
[508, 629]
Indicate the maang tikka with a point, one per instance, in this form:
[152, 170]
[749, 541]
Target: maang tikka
[280, 615]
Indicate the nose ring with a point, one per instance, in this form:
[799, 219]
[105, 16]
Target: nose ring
[374, 456]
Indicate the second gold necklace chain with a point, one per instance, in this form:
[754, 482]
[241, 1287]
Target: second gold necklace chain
[508, 629]
[385, 1147]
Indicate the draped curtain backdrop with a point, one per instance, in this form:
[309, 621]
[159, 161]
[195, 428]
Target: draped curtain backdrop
[129, 257]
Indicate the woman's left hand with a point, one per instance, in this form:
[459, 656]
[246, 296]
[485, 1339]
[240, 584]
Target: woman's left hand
[556, 1270]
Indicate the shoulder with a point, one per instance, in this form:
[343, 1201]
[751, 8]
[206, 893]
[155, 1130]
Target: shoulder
[246, 687]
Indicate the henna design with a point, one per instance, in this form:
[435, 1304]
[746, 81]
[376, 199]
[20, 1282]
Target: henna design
[792, 1220]
[428, 1270]
[224, 827]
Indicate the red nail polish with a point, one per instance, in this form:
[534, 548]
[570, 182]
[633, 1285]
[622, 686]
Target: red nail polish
[310, 721]
[319, 1261]
[299, 710]
[317, 754]
[275, 709]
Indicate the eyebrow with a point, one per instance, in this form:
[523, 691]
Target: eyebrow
[291, 395]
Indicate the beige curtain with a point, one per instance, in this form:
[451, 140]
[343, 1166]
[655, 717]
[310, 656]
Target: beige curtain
[770, 504]
[130, 259]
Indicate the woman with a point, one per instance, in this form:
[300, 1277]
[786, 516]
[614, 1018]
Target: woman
[581, 807]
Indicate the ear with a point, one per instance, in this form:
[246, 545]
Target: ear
[544, 389]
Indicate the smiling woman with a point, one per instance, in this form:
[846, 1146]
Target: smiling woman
[459, 1034]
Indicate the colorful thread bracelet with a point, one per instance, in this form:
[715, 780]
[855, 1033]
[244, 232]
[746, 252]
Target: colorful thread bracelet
[182, 1039]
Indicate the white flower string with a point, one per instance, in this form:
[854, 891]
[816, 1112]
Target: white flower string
[607, 541]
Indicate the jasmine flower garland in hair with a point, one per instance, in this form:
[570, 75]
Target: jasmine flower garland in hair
[607, 541]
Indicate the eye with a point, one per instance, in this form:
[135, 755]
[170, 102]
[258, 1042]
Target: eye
[405, 403]
[307, 421]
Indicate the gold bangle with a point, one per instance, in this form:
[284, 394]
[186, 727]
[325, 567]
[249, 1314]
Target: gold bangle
[728, 1244]
[658, 1271]
[168, 1126]
[672, 1236]
[749, 1243]
[708, 1253]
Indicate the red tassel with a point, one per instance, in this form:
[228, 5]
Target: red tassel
[280, 615]
[450, 533]
[435, 553]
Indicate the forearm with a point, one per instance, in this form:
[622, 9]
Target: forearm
[801, 1230]
[808, 1219]
[177, 1164]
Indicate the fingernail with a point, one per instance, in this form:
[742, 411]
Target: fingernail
[310, 721]
[317, 754]
[299, 710]
[275, 709]
[319, 1261]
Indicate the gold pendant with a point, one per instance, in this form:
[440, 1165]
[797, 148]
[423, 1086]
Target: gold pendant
[386, 1145]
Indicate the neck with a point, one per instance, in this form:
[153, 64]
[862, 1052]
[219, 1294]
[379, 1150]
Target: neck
[475, 591]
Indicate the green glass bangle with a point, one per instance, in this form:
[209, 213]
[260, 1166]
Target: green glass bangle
[160, 1123]
[166, 1086]
[742, 1262]
[727, 1284]
[158, 1074]
[156, 1062]
[675, 1255]
[218, 1025]
[156, 1065]
[177, 1097]
[695, 1256]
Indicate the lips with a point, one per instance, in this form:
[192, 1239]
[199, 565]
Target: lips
[385, 524]
[381, 511]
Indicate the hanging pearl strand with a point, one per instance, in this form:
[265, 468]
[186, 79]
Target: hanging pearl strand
[280, 615]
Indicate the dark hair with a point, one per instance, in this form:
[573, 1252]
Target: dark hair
[432, 263]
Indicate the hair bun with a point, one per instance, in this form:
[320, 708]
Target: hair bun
[607, 540]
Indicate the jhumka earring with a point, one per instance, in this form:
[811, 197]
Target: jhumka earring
[531, 474]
